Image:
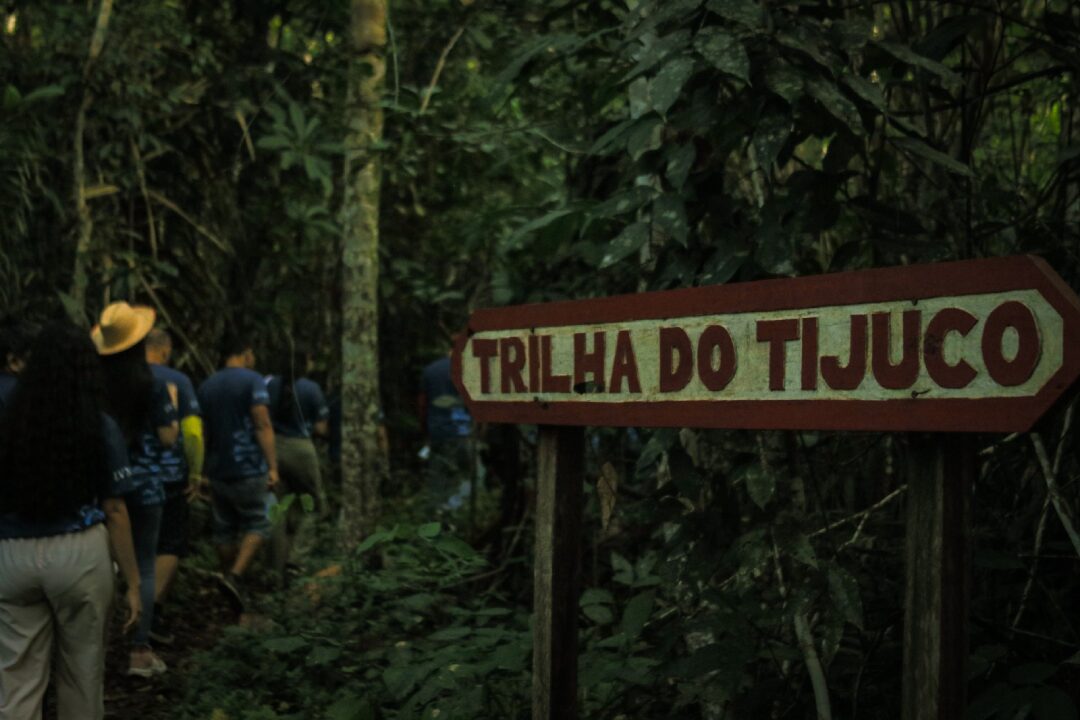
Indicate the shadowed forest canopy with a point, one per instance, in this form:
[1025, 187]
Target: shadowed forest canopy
[200, 156]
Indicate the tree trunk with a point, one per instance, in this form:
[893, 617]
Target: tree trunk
[362, 463]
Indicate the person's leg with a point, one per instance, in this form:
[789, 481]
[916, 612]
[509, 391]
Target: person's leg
[26, 631]
[282, 530]
[145, 523]
[225, 521]
[172, 541]
[81, 592]
[249, 548]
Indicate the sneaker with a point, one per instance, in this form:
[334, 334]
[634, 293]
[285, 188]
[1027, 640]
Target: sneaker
[230, 586]
[155, 667]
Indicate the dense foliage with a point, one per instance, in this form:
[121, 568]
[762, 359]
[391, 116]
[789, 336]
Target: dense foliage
[539, 150]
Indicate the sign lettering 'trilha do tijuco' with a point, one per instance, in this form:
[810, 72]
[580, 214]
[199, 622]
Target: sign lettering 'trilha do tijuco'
[982, 345]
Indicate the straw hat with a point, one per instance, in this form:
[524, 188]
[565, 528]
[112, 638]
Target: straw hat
[121, 327]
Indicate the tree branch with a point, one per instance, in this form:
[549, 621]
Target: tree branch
[439, 68]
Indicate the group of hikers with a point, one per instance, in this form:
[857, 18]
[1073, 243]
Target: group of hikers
[102, 447]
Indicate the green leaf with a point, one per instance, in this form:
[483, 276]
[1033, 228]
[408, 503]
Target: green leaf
[636, 614]
[610, 140]
[656, 50]
[836, 103]
[640, 94]
[307, 503]
[746, 12]
[669, 216]
[909, 56]
[760, 484]
[785, 81]
[724, 52]
[45, 92]
[1069, 153]
[844, 591]
[323, 655]
[770, 134]
[626, 201]
[540, 222]
[285, 644]
[853, 32]
[680, 160]
[920, 148]
[453, 633]
[668, 83]
[801, 549]
[429, 530]
[866, 90]
[350, 707]
[12, 97]
[596, 596]
[647, 135]
[599, 614]
[623, 570]
[628, 242]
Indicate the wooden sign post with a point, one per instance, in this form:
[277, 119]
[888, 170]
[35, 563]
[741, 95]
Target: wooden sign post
[973, 346]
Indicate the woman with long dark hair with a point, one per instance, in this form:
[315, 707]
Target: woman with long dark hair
[63, 471]
[146, 414]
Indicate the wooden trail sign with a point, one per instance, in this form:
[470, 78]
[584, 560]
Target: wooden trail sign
[972, 346]
[965, 346]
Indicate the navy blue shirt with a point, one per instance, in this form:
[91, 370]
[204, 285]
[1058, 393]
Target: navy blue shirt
[172, 460]
[308, 408]
[118, 485]
[7, 386]
[147, 473]
[447, 417]
[226, 399]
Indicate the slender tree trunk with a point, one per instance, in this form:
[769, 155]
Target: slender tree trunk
[362, 463]
[79, 278]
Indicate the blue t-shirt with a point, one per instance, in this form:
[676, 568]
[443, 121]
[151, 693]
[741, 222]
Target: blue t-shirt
[308, 408]
[172, 460]
[119, 484]
[7, 386]
[147, 473]
[226, 399]
[447, 417]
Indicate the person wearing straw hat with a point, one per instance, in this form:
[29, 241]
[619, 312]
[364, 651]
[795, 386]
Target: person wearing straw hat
[146, 413]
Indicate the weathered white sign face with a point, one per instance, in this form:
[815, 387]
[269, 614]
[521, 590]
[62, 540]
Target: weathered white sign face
[993, 345]
[809, 362]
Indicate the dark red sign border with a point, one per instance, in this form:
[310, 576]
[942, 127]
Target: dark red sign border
[907, 283]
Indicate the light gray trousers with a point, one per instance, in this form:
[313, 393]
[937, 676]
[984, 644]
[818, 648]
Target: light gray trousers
[61, 588]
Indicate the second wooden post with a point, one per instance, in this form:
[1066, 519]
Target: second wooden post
[559, 500]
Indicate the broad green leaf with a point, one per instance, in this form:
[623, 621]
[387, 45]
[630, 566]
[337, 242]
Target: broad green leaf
[722, 266]
[807, 42]
[656, 49]
[623, 202]
[429, 530]
[596, 596]
[624, 571]
[844, 592]
[538, 223]
[866, 90]
[801, 549]
[307, 503]
[350, 707]
[724, 52]
[599, 614]
[323, 655]
[285, 644]
[610, 140]
[45, 92]
[680, 160]
[746, 12]
[669, 216]
[836, 103]
[628, 242]
[785, 81]
[770, 134]
[760, 484]
[12, 97]
[920, 148]
[668, 83]
[909, 56]
[453, 633]
[852, 32]
[647, 135]
[640, 94]
[637, 613]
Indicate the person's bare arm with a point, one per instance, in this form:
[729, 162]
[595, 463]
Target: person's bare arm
[118, 524]
[264, 435]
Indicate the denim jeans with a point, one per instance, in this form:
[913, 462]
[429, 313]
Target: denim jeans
[145, 523]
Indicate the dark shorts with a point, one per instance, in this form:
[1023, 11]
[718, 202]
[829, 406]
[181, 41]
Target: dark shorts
[175, 521]
[241, 507]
